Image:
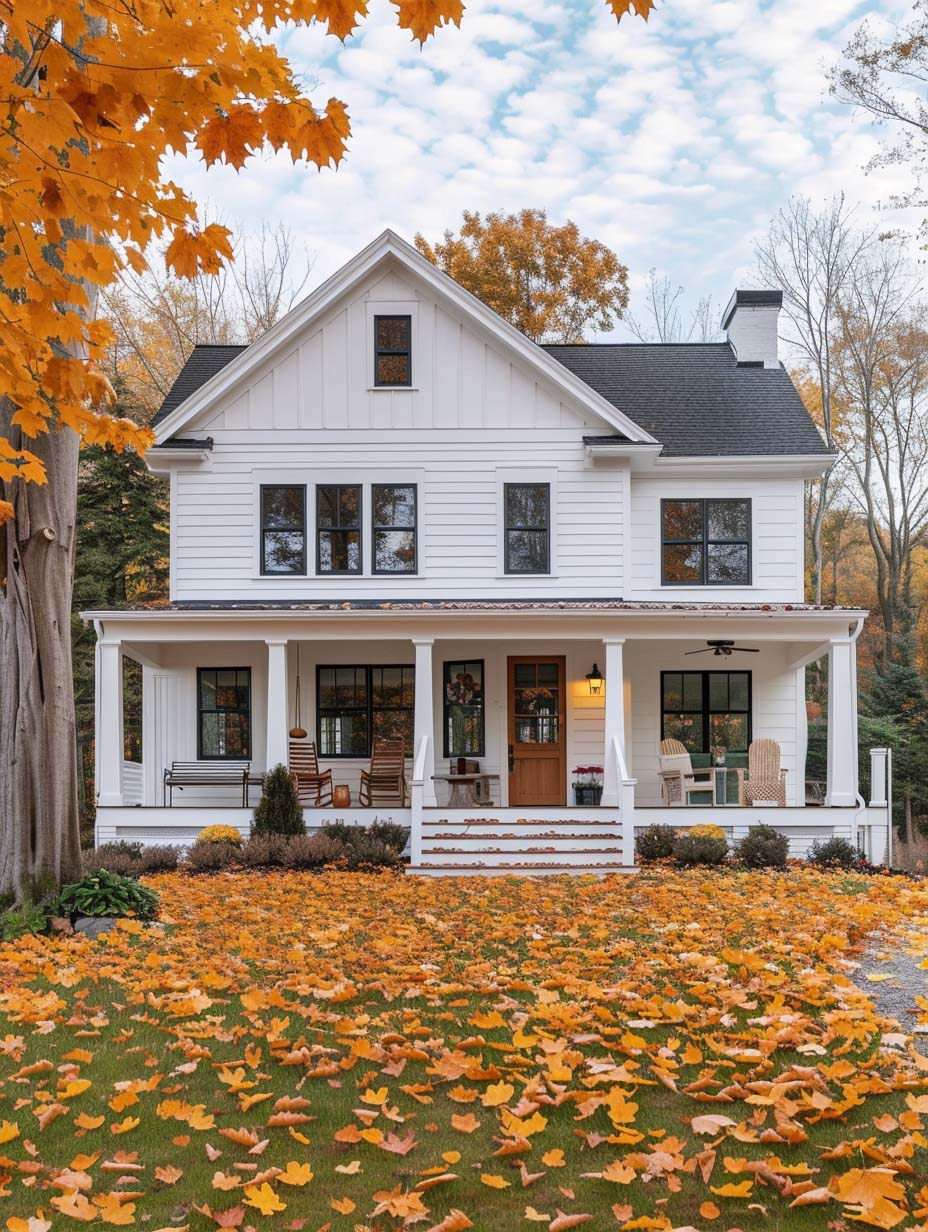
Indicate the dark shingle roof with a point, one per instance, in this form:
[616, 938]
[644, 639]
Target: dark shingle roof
[695, 399]
[204, 362]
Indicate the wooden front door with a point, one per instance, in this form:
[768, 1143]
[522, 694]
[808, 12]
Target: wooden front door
[537, 730]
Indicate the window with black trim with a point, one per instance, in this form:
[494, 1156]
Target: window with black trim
[527, 512]
[392, 350]
[338, 528]
[706, 542]
[283, 529]
[464, 713]
[394, 516]
[707, 710]
[223, 713]
[357, 705]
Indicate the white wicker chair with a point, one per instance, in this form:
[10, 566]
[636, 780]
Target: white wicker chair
[766, 778]
[678, 778]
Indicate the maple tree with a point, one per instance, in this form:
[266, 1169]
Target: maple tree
[352, 1051]
[548, 281]
[94, 96]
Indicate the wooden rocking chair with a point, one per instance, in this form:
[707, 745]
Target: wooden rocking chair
[313, 786]
[385, 782]
[766, 779]
[678, 778]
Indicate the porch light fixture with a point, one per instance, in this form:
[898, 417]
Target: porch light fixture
[595, 680]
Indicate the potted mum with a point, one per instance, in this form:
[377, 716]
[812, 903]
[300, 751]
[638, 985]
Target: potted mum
[588, 785]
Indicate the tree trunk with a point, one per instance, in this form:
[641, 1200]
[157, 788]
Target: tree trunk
[38, 788]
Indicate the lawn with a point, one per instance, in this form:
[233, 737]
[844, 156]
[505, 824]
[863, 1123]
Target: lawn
[345, 1051]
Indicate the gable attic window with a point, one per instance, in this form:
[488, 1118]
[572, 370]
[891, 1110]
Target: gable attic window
[283, 529]
[392, 351]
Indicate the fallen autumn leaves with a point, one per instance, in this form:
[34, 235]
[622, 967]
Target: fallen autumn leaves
[368, 1052]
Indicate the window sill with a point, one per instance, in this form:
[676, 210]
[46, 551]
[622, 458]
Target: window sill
[526, 577]
[393, 389]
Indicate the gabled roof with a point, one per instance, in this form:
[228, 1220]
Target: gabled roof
[203, 362]
[697, 400]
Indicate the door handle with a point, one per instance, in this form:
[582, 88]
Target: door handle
[512, 759]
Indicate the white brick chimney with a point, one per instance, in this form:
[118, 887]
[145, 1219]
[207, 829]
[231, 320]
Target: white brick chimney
[750, 321]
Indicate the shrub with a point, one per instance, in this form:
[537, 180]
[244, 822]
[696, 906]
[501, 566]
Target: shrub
[655, 843]
[108, 894]
[367, 851]
[158, 860]
[312, 851]
[835, 852]
[763, 847]
[707, 830]
[113, 858]
[220, 834]
[265, 850]
[20, 921]
[390, 833]
[279, 810]
[690, 848]
[340, 832]
[209, 857]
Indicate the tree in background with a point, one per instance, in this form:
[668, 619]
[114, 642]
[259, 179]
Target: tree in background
[548, 281]
[664, 318]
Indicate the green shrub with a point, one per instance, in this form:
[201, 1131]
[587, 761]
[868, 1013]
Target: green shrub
[20, 921]
[108, 894]
[340, 832]
[312, 851]
[279, 810]
[655, 843]
[265, 851]
[763, 847]
[211, 857]
[835, 852]
[690, 849]
[158, 860]
[390, 833]
[370, 852]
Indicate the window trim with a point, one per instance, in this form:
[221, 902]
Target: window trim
[320, 530]
[379, 351]
[375, 572]
[706, 712]
[201, 756]
[705, 541]
[446, 705]
[263, 530]
[367, 668]
[526, 483]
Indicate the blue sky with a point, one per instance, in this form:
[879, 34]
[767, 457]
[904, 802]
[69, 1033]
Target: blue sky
[672, 141]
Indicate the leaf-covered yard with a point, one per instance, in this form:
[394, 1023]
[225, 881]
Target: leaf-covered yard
[345, 1051]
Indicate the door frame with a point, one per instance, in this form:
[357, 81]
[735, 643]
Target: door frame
[561, 661]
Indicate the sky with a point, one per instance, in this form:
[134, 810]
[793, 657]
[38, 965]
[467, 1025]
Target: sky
[672, 141]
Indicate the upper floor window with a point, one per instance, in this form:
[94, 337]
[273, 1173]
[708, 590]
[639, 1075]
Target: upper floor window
[527, 509]
[394, 527]
[706, 542]
[223, 713]
[392, 350]
[283, 529]
[338, 528]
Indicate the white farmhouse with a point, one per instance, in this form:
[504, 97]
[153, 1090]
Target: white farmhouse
[394, 517]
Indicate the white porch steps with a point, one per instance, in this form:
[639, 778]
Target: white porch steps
[503, 843]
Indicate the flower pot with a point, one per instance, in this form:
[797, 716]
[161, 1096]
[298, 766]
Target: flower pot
[587, 797]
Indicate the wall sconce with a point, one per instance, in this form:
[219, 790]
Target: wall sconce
[595, 680]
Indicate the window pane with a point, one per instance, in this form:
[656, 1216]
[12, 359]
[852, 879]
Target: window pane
[526, 675]
[527, 551]
[349, 506]
[394, 506]
[393, 333]
[207, 689]
[730, 731]
[343, 735]
[526, 505]
[224, 734]
[728, 519]
[392, 370]
[282, 507]
[540, 700]
[738, 690]
[465, 731]
[682, 563]
[540, 730]
[718, 691]
[692, 691]
[283, 551]
[688, 728]
[351, 687]
[548, 673]
[394, 725]
[327, 506]
[673, 691]
[395, 551]
[683, 519]
[339, 551]
[728, 563]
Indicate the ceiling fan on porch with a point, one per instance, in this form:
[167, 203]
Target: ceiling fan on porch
[720, 647]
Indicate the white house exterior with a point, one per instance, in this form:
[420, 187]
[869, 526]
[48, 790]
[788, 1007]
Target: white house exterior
[393, 491]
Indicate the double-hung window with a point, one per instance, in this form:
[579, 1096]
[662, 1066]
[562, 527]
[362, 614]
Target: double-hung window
[706, 542]
[223, 713]
[338, 528]
[283, 529]
[358, 705]
[527, 513]
[392, 350]
[393, 530]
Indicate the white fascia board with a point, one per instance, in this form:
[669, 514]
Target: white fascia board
[161, 459]
[385, 245]
[755, 466]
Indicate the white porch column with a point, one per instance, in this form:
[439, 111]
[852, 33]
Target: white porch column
[109, 735]
[614, 717]
[424, 717]
[842, 722]
[276, 702]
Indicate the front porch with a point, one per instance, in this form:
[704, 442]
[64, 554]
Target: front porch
[389, 671]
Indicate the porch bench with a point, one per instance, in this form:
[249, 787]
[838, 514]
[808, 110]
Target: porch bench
[207, 774]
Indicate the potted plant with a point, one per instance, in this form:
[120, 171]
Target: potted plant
[588, 785]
